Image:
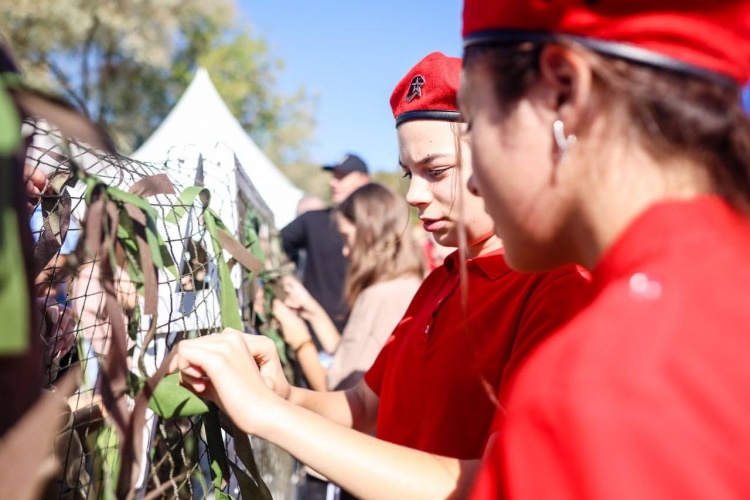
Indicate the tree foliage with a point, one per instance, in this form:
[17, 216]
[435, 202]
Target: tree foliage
[125, 63]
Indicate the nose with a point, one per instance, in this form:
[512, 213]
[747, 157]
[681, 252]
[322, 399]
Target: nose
[419, 193]
[471, 184]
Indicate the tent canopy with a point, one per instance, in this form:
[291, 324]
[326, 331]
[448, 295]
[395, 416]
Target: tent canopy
[201, 120]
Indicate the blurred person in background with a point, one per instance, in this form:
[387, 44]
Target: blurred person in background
[312, 241]
[309, 202]
[385, 270]
[305, 204]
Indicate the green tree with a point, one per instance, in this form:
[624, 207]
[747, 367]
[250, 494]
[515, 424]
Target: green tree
[126, 63]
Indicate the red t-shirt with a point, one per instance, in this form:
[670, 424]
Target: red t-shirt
[646, 393]
[438, 373]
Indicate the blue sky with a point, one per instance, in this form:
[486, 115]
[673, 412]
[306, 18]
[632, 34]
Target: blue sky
[351, 54]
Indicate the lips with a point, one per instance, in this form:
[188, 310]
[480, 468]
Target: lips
[432, 225]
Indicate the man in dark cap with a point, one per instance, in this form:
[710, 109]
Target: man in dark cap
[315, 233]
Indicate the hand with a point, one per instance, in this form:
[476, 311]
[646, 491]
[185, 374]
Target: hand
[59, 334]
[293, 329]
[222, 369]
[299, 299]
[263, 350]
[259, 301]
[34, 183]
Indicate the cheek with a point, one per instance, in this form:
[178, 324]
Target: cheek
[488, 179]
[442, 193]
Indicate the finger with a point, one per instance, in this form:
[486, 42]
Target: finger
[291, 302]
[32, 190]
[195, 384]
[263, 350]
[192, 371]
[259, 345]
[196, 354]
[280, 308]
[35, 180]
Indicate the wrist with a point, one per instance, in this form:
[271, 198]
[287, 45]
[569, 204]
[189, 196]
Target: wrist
[314, 309]
[305, 344]
[267, 417]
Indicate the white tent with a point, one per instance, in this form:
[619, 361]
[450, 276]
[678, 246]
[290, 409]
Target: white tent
[199, 122]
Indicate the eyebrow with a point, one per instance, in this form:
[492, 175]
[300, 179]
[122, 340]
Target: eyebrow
[427, 159]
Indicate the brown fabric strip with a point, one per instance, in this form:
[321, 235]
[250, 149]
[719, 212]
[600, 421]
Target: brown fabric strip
[138, 421]
[56, 220]
[239, 252]
[60, 158]
[153, 184]
[94, 224]
[114, 369]
[150, 294]
[26, 454]
[64, 117]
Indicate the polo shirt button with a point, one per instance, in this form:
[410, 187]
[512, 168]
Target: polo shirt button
[427, 329]
[641, 286]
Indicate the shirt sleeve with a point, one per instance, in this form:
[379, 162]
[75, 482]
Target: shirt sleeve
[551, 304]
[374, 376]
[352, 349]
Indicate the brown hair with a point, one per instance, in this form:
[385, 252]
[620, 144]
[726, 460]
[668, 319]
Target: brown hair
[672, 114]
[383, 246]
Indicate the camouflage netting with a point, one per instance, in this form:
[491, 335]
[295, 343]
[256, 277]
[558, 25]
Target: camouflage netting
[130, 258]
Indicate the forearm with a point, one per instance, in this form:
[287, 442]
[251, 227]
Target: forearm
[307, 355]
[335, 406]
[356, 408]
[327, 333]
[365, 466]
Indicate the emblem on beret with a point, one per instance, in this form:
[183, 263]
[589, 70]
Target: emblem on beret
[415, 88]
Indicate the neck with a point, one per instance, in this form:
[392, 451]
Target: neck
[625, 192]
[487, 245]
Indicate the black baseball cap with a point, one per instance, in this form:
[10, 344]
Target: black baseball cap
[349, 163]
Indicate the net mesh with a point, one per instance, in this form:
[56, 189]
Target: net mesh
[77, 330]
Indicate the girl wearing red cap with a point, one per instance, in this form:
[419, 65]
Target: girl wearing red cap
[610, 134]
[430, 396]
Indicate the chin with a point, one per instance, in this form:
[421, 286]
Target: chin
[526, 259]
[445, 240]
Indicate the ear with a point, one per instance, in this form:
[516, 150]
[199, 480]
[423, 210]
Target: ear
[567, 79]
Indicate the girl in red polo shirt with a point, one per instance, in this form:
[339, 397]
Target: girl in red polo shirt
[430, 396]
[610, 134]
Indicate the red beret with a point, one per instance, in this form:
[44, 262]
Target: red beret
[429, 91]
[708, 38]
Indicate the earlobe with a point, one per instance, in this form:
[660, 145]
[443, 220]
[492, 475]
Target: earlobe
[567, 76]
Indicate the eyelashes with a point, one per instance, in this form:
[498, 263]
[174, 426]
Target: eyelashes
[434, 173]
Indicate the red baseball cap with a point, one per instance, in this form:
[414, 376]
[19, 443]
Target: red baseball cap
[429, 91]
[706, 38]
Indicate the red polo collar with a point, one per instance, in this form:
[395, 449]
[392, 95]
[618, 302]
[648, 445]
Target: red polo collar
[491, 264]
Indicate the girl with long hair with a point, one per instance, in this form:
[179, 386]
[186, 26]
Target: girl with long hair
[430, 396]
[610, 134]
[385, 270]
